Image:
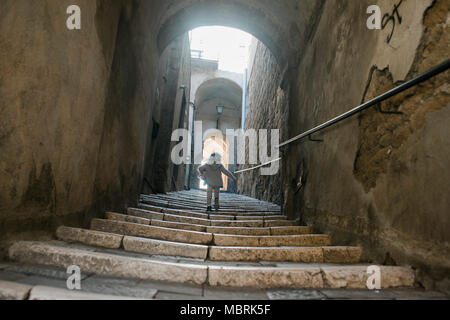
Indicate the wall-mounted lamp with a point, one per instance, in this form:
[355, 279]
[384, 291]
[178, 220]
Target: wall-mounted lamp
[220, 110]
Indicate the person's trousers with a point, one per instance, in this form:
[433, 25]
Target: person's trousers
[209, 193]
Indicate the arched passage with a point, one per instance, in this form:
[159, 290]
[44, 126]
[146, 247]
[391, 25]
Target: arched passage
[219, 93]
[267, 21]
[214, 93]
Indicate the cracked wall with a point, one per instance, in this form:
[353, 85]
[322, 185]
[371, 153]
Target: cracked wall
[378, 179]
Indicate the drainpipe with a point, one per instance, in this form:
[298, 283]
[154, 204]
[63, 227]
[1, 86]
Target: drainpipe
[244, 100]
[190, 166]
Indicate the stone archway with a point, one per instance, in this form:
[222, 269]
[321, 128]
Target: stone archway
[271, 23]
[212, 93]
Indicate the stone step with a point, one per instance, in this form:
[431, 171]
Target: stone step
[286, 254]
[201, 213]
[200, 199]
[217, 274]
[179, 225]
[90, 237]
[195, 237]
[309, 240]
[202, 207]
[106, 264]
[152, 232]
[167, 248]
[263, 231]
[221, 222]
[354, 277]
[253, 223]
[267, 231]
[224, 202]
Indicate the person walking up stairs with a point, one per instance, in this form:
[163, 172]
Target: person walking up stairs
[211, 173]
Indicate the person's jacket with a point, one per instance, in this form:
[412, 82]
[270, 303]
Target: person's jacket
[213, 174]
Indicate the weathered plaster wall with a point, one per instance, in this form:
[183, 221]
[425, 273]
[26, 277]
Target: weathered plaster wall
[53, 88]
[76, 110]
[378, 180]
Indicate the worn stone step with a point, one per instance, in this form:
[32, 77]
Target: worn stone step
[265, 231]
[107, 264]
[132, 244]
[209, 222]
[89, 237]
[310, 240]
[352, 277]
[246, 231]
[198, 221]
[253, 223]
[224, 203]
[166, 248]
[194, 237]
[235, 212]
[147, 214]
[152, 232]
[127, 218]
[265, 217]
[160, 247]
[223, 274]
[172, 211]
[179, 225]
[201, 213]
[201, 201]
[287, 254]
[289, 230]
[152, 213]
[280, 223]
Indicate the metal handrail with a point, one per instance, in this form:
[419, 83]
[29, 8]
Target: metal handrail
[444, 66]
[408, 84]
[261, 165]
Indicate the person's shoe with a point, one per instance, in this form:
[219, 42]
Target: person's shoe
[217, 209]
[209, 209]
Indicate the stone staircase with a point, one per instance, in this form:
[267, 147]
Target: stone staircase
[247, 244]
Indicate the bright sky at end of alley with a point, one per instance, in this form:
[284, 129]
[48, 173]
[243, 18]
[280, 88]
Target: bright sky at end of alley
[227, 45]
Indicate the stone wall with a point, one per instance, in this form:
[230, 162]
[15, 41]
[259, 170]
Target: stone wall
[76, 111]
[53, 89]
[380, 179]
[267, 108]
[161, 175]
